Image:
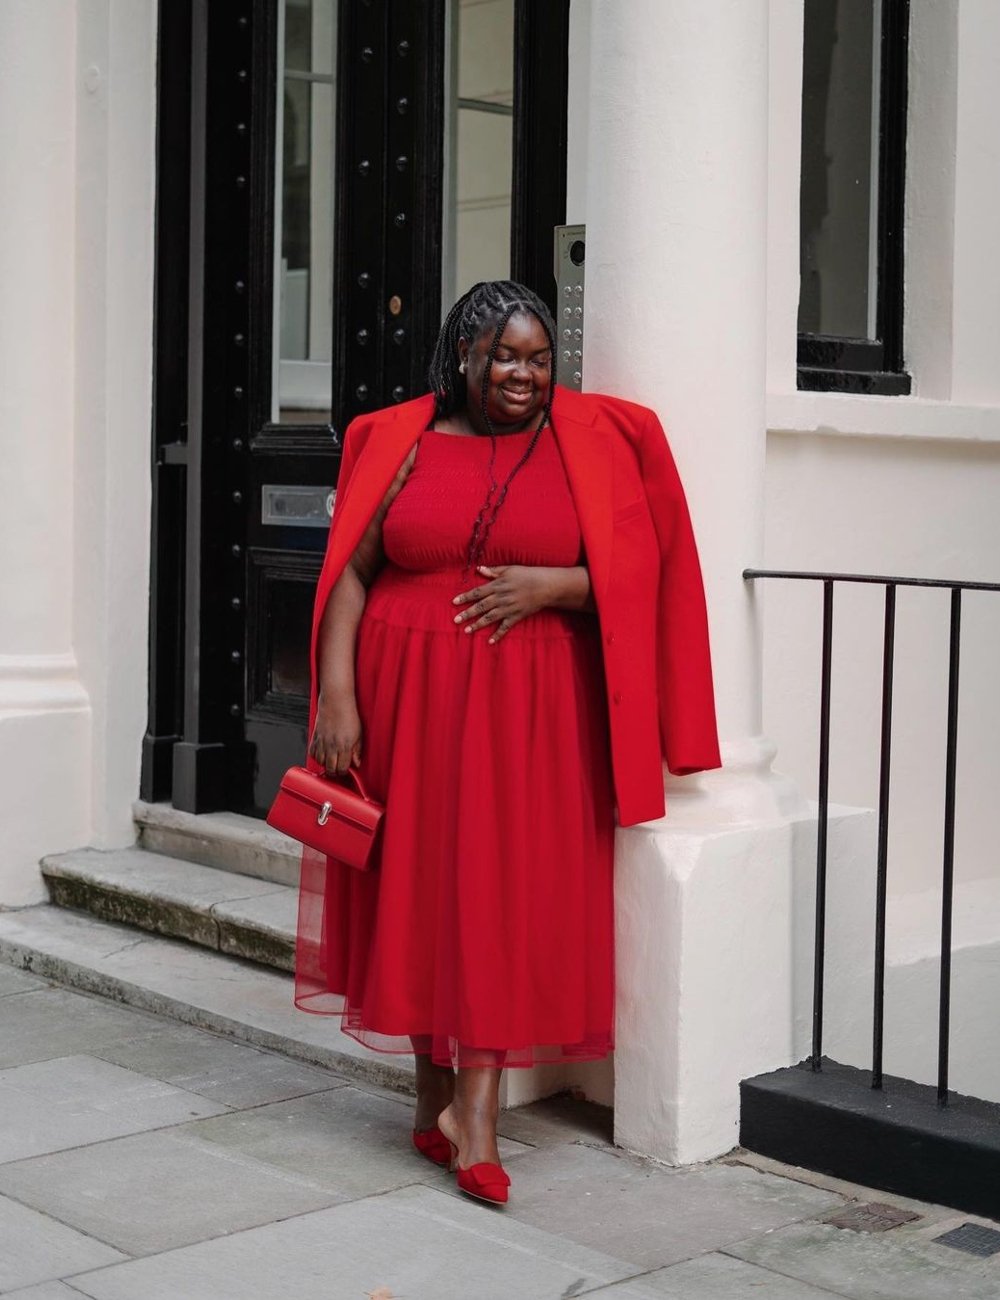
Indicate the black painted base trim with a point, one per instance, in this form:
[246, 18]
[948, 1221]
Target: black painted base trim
[896, 1138]
[876, 383]
[211, 777]
[157, 775]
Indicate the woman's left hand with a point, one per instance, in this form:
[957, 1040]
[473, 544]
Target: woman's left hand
[513, 592]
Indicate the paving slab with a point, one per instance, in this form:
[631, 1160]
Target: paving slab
[214, 1067]
[45, 1291]
[414, 1244]
[35, 1248]
[647, 1213]
[195, 985]
[561, 1118]
[17, 981]
[70, 1101]
[155, 1191]
[48, 1022]
[872, 1266]
[928, 1212]
[712, 1277]
[354, 1142]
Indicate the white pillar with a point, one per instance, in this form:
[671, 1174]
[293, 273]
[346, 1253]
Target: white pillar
[44, 716]
[115, 193]
[676, 261]
[676, 318]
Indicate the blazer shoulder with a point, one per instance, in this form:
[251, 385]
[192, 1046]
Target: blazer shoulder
[370, 424]
[607, 408]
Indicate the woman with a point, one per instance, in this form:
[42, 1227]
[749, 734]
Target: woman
[509, 639]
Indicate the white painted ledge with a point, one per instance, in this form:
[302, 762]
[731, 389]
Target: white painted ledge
[32, 684]
[855, 415]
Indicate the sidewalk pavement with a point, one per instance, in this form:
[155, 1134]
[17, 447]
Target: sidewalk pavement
[143, 1159]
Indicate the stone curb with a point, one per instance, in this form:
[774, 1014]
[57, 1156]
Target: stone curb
[52, 944]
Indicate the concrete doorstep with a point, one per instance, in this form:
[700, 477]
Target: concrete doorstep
[188, 982]
[230, 912]
[227, 840]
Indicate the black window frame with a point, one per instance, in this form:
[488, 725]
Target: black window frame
[830, 363]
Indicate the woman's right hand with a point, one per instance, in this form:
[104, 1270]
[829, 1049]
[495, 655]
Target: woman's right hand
[336, 739]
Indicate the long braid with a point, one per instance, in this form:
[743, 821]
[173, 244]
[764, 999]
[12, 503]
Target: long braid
[478, 539]
[489, 304]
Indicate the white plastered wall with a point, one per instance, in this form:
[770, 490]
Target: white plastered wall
[894, 485]
[905, 486]
[76, 242]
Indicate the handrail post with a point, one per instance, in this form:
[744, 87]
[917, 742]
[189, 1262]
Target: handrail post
[948, 870]
[888, 650]
[821, 825]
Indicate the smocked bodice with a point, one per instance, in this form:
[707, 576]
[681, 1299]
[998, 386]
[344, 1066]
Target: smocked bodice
[429, 523]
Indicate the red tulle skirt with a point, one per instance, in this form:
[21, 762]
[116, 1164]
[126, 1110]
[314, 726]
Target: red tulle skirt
[484, 932]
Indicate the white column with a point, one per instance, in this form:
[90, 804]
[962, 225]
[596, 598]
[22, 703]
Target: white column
[676, 318]
[115, 192]
[676, 261]
[44, 715]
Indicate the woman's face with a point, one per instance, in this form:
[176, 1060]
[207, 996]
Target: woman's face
[520, 377]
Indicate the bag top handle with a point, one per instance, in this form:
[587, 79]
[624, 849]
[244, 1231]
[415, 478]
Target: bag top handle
[355, 776]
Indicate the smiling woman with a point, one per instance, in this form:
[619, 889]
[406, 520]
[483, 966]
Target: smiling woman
[459, 665]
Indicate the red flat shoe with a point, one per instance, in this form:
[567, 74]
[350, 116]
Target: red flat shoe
[485, 1181]
[433, 1144]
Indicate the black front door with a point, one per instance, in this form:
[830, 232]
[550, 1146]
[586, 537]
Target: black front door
[310, 171]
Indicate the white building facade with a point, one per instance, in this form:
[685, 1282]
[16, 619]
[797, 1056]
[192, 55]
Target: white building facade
[684, 161]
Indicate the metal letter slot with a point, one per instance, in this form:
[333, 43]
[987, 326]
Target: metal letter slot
[570, 258]
[294, 505]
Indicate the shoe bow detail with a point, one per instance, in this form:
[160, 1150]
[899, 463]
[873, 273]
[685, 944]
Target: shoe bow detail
[485, 1180]
[433, 1144]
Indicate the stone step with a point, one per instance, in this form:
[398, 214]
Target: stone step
[249, 1003]
[240, 915]
[223, 839]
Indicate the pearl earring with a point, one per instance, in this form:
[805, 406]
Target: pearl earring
[461, 367]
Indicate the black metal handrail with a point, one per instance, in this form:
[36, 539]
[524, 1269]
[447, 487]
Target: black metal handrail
[947, 876]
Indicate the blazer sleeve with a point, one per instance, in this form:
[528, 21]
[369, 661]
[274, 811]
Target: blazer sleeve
[686, 698]
[353, 441]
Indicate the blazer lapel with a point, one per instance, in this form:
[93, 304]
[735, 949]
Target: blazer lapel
[586, 453]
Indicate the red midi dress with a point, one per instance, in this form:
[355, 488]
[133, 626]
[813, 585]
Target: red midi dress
[484, 933]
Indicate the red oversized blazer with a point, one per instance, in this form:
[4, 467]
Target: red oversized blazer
[644, 573]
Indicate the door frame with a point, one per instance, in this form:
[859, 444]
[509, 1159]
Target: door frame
[213, 314]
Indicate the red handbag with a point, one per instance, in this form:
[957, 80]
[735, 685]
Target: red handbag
[326, 815]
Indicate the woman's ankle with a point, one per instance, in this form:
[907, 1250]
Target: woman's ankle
[435, 1089]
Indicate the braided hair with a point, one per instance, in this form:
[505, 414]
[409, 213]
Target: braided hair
[487, 305]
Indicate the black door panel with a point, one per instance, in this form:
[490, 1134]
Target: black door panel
[256, 99]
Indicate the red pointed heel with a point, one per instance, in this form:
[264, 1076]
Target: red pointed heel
[433, 1144]
[485, 1181]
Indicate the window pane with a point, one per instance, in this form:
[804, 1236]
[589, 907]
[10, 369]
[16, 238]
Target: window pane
[479, 145]
[838, 255]
[301, 388]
